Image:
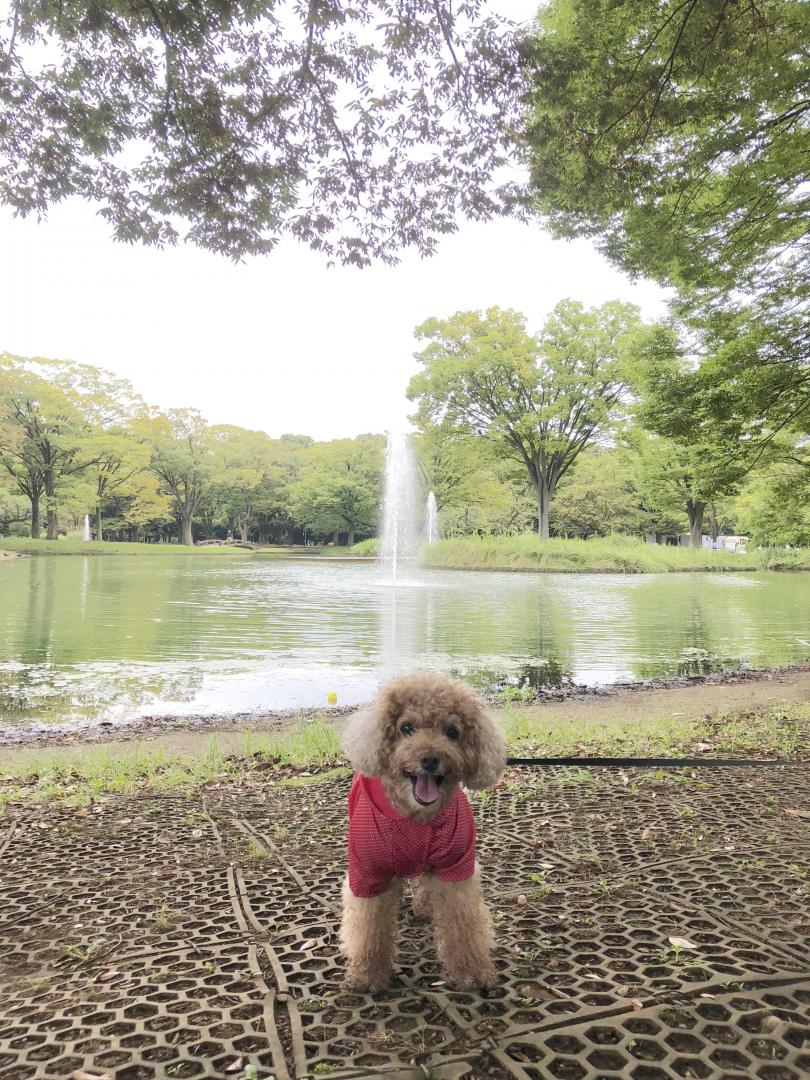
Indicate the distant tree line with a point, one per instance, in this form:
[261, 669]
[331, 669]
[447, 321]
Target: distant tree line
[597, 423]
[76, 440]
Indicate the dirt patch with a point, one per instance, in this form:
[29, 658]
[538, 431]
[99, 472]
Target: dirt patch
[648, 925]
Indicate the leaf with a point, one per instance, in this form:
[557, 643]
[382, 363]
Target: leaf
[681, 943]
[236, 1065]
[196, 833]
[80, 1074]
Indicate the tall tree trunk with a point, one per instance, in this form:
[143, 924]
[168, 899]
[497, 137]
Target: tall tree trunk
[50, 512]
[35, 531]
[98, 524]
[336, 538]
[186, 535]
[243, 531]
[714, 524]
[694, 511]
[543, 502]
[350, 539]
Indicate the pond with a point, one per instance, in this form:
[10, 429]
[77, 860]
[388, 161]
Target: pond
[122, 637]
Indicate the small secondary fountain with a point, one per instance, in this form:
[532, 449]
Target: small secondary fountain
[399, 541]
[86, 532]
[431, 520]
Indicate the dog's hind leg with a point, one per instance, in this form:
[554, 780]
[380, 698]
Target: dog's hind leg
[420, 897]
[463, 929]
[367, 936]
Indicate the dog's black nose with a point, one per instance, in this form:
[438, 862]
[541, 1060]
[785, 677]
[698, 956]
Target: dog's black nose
[430, 763]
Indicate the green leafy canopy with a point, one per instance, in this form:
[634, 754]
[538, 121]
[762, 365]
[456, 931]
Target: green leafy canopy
[360, 130]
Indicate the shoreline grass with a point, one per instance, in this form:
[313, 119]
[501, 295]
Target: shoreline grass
[311, 752]
[614, 554]
[25, 545]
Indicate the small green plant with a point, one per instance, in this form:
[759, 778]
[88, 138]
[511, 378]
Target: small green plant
[541, 885]
[162, 916]
[323, 1068]
[82, 954]
[602, 886]
[316, 1001]
[541, 946]
[257, 851]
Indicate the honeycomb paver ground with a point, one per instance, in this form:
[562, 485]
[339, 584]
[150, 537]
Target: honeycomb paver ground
[194, 935]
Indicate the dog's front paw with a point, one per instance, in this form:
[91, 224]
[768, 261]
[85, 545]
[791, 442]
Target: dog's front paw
[479, 979]
[363, 981]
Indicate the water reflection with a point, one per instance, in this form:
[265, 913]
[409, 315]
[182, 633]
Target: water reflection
[82, 638]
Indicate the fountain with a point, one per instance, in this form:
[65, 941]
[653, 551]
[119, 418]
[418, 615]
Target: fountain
[86, 533]
[399, 541]
[431, 520]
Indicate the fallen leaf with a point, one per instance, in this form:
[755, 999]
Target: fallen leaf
[196, 833]
[637, 1003]
[235, 1066]
[522, 900]
[681, 943]
[108, 976]
[80, 1074]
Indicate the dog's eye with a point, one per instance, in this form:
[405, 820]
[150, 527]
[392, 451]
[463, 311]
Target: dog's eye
[406, 729]
[452, 733]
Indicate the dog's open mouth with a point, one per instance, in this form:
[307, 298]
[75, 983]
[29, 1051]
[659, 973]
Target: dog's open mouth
[426, 787]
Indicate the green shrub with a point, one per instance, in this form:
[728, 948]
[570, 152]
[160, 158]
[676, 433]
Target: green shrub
[610, 554]
[367, 547]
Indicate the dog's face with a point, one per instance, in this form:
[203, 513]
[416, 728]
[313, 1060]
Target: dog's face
[424, 735]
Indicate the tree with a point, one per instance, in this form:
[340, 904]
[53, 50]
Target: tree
[340, 486]
[600, 496]
[476, 491]
[43, 430]
[676, 134]
[121, 455]
[698, 456]
[14, 507]
[358, 130]
[182, 461]
[245, 475]
[540, 399]
[774, 508]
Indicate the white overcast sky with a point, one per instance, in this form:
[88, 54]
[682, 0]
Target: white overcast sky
[280, 343]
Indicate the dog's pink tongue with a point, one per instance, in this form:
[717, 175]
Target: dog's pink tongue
[426, 788]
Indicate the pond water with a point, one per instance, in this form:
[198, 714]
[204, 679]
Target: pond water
[116, 638]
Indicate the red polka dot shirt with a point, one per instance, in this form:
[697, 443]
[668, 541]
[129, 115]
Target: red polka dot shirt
[384, 844]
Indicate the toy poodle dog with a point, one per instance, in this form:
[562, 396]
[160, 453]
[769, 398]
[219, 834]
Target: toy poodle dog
[412, 749]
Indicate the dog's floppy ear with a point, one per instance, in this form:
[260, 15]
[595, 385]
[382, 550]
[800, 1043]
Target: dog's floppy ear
[362, 741]
[490, 759]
